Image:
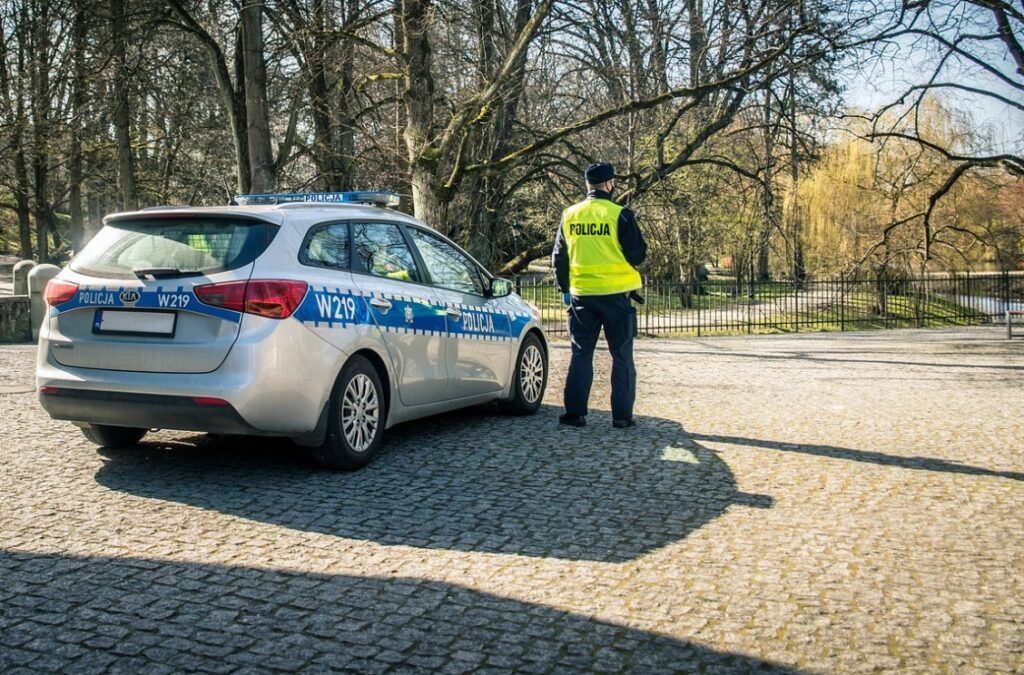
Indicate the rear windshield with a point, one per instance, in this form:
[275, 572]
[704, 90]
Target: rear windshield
[173, 247]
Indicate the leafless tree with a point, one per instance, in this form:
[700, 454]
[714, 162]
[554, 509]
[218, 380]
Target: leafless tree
[971, 48]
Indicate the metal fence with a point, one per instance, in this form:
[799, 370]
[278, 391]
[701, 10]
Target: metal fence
[728, 307]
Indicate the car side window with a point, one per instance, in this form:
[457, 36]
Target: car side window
[381, 250]
[448, 266]
[327, 246]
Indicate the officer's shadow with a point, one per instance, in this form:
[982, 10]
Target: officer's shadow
[472, 481]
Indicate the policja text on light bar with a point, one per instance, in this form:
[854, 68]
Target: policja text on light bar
[374, 198]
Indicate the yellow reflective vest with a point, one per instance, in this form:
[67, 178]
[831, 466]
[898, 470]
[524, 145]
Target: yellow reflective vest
[597, 265]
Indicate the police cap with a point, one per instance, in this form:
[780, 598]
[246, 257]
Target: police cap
[599, 173]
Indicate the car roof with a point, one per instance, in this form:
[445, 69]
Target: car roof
[300, 214]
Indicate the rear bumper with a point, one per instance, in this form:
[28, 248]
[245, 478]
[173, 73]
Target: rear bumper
[276, 381]
[146, 411]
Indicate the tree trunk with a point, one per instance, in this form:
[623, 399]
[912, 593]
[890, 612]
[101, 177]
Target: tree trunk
[767, 194]
[344, 122]
[488, 193]
[261, 157]
[21, 196]
[232, 98]
[659, 43]
[96, 207]
[485, 219]
[795, 213]
[682, 246]
[430, 202]
[125, 156]
[418, 97]
[697, 42]
[323, 144]
[101, 196]
[13, 103]
[77, 129]
[320, 109]
[430, 199]
[40, 71]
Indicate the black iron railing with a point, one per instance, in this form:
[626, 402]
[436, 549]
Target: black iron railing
[728, 306]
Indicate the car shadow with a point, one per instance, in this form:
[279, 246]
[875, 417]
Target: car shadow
[469, 481]
[64, 613]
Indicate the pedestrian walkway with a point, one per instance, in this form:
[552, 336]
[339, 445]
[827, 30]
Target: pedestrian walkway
[818, 503]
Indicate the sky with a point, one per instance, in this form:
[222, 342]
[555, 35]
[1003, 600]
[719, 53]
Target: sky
[870, 89]
[874, 83]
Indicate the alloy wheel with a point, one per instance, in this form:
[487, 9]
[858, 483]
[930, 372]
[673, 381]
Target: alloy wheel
[531, 373]
[360, 413]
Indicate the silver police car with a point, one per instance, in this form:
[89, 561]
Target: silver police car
[322, 317]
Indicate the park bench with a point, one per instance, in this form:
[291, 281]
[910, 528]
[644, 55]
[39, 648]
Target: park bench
[1010, 313]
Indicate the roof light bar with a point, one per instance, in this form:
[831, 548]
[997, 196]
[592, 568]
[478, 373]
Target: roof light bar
[373, 198]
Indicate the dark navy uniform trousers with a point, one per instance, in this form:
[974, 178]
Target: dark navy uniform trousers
[587, 315]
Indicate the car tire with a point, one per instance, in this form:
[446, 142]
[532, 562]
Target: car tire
[530, 380]
[355, 419]
[113, 437]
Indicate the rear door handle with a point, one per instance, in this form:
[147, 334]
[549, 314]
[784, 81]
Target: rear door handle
[381, 304]
[454, 312]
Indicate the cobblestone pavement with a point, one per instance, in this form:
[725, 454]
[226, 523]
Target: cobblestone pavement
[812, 503]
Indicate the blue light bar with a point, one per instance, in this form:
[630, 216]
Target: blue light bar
[372, 198]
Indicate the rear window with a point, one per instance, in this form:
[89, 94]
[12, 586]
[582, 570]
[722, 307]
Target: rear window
[173, 247]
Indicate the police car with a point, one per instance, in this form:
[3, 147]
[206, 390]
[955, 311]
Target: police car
[322, 317]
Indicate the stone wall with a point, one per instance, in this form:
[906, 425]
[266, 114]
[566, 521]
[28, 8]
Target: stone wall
[14, 319]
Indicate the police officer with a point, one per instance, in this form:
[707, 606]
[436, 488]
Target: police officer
[597, 249]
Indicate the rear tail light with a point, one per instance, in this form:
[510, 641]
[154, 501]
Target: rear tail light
[58, 292]
[208, 400]
[272, 298]
[229, 295]
[276, 299]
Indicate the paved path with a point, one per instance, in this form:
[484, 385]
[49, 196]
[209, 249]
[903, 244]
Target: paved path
[812, 503]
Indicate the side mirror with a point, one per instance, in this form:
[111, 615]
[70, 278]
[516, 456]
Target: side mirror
[501, 287]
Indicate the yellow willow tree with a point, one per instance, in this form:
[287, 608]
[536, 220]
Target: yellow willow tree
[872, 204]
[839, 206]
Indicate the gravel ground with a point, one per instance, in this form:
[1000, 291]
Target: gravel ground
[811, 503]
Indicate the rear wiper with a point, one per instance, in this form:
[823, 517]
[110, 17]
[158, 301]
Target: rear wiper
[157, 272]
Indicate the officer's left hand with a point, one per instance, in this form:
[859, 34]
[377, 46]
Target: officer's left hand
[566, 299]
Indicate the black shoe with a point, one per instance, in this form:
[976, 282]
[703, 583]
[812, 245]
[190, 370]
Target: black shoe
[572, 420]
[622, 424]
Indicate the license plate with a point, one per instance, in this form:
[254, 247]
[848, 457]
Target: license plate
[126, 322]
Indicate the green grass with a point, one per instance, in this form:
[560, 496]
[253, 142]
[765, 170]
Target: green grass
[665, 299]
[854, 311]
